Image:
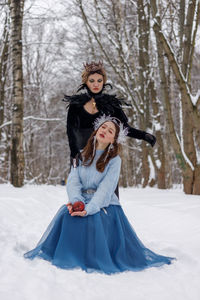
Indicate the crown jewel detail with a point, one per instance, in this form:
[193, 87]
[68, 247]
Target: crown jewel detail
[93, 66]
[123, 131]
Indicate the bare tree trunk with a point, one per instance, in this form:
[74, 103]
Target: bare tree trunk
[131, 157]
[3, 69]
[181, 23]
[160, 169]
[145, 165]
[17, 153]
[196, 183]
[143, 41]
[131, 171]
[184, 146]
[123, 180]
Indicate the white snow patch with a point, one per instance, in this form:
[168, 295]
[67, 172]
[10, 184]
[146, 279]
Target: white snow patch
[167, 221]
[157, 126]
[152, 170]
[195, 98]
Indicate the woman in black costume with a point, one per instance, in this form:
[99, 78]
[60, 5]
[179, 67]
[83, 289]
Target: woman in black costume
[86, 107]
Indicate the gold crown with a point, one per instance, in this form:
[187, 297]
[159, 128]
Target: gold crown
[93, 66]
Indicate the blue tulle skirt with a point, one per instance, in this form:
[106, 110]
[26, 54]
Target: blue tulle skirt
[103, 242]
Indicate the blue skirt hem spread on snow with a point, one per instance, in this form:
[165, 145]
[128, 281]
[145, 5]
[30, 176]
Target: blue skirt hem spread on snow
[103, 242]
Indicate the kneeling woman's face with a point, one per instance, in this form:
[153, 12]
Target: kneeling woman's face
[95, 82]
[106, 133]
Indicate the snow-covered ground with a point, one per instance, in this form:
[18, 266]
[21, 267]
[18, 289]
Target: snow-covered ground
[167, 221]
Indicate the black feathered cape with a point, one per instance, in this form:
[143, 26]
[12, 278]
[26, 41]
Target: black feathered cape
[80, 122]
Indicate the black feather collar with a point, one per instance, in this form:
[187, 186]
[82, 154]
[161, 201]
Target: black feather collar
[103, 101]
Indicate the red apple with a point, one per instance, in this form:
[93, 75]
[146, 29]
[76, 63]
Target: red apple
[78, 206]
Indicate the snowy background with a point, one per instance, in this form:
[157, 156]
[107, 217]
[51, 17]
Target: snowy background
[167, 221]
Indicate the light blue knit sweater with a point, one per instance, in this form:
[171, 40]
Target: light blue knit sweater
[83, 178]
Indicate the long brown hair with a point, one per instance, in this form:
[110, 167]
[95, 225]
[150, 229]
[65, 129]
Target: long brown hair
[88, 155]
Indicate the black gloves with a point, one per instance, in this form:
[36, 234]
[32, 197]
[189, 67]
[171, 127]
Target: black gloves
[151, 139]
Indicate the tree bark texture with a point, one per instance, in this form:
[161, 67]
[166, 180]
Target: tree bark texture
[143, 41]
[184, 147]
[17, 153]
[3, 70]
[160, 153]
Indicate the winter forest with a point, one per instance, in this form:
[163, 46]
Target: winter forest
[151, 52]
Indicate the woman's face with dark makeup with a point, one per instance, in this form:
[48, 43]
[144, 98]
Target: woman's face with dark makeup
[95, 82]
